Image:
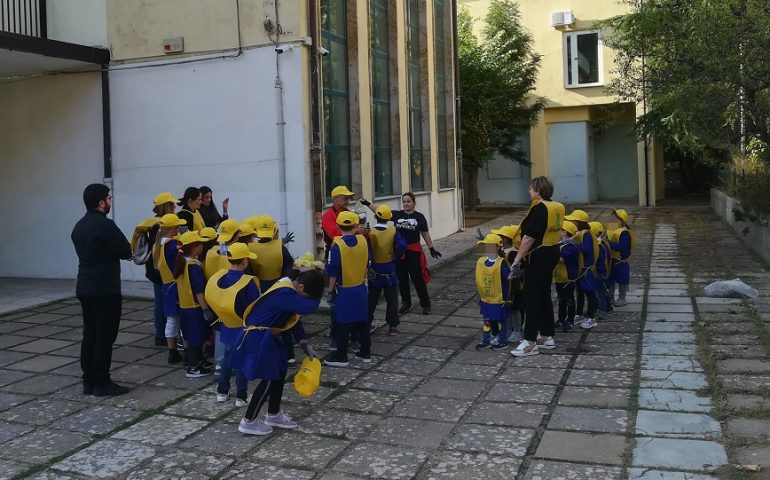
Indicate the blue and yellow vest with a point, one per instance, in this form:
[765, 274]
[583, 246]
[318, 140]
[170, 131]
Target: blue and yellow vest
[222, 300]
[282, 283]
[215, 263]
[269, 262]
[186, 297]
[382, 244]
[579, 237]
[560, 273]
[552, 234]
[166, 276]
[615, 237]
[354, 261]
[488, 281]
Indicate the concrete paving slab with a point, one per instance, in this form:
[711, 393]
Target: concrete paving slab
[594, 397]
[106, 459]
[300, 450]
[456, 465]
[649, 474]
[605, 362]
[10, 469]
[661, 326]
[660, 348]
[42, 411]
[601, 448]
[491, 439]
[670, 317]
[381, 461]
[673, 400]
[431, 408]
[448, 388]
[669, 337]
[677, 425]
[746, 383]
[585, 419]
[410, 432]
[600, 378]
[543, 470]
[404, 365]
[41, 384]
[669, 308]
[738, 365]
[543, 376]
[42, 445]
[161, 430]
[245, 471]
[669, 453]
[753, 455]
[506, 414]
[365, 401]
[520, 392]
[742, 403]
[174, 465]
[672, 380]
[387, 382]
[750, 429]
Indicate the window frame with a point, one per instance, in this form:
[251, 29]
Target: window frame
[570, 58]
[385, 56]
[414, 71]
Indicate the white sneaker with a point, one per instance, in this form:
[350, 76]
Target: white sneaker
[240, 402]
[578, 319]
[621, 302]
[588, 324]
[514, 337]
[221, 397]
[494, 341]
[254, 427]
[546, 343]
[280, 420]
[525, 349]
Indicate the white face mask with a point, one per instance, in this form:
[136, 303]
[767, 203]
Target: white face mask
[492, 257]
[509, 249]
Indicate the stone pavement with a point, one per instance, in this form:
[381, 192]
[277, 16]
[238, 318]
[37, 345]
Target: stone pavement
[628, 400]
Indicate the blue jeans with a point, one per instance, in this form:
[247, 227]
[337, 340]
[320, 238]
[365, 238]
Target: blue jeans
[219, 350]
[160, 316]
[601, 295]
[241, 384]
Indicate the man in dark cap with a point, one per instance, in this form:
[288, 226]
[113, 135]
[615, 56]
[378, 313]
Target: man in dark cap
[100, 246]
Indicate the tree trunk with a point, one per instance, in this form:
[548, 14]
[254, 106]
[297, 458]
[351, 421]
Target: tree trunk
[472, 189]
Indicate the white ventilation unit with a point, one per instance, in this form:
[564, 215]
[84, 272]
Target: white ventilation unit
[563, 18]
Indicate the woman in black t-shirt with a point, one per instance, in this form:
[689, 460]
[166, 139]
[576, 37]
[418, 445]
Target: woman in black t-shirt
[412, 224]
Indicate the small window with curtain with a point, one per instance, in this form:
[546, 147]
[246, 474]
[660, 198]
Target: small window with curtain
[583, 59]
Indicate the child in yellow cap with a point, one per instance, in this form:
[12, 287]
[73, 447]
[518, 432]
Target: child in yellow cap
[387, 244]
[508, 234]
[603, 268]
[565, 275]
[493, 287]
[622, 243]
[586, 284]
[165, 251]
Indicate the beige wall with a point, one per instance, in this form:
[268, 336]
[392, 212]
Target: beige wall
[136, 28]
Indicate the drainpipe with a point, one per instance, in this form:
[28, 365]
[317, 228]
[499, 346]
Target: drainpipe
[107, 133]
[280, 123]
[458, 118]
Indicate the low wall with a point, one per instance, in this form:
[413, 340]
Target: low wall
[756, 236]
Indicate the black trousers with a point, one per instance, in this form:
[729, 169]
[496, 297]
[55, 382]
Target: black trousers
[589, 297]
[391, 299]
[269, 391]
[566, 293]
[537, 293]
[288, 340]
[408, 267]
[101, 320]
[361, 332]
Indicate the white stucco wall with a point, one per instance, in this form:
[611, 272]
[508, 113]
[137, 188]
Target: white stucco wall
[78, 21]
[50, 149]
[211, 123]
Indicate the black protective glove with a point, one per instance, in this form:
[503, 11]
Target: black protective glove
[479, 235]
[209, 315]
[515, 271]
[288, 238]
[365, 202]
[435, 253]
[308, 349]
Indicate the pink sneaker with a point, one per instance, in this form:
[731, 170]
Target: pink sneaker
[280, 420]
[254, 427]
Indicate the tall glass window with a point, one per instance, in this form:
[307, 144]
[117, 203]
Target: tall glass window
[383, 154]
[416, 170]
[335, 93]
[445, 163]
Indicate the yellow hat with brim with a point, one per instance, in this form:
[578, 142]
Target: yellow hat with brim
[164, 197]
[190, 237]
[491, 239]
[266, 226]
[347, 219]
[227, 230]
[253, 220]
[577, 216]
[506, 231]
[384, 212]
[596, 227]
[341, 191]
[246, 229]
[208, 234]
[569, 227]
[621, 214]
[171, 220]
[239, 251]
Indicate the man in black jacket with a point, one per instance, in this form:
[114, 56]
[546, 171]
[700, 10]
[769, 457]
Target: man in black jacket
[100, 246]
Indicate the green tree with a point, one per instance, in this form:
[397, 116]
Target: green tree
[497, 78]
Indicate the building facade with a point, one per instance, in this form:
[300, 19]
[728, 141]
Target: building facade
[271, 103]
[584, 139]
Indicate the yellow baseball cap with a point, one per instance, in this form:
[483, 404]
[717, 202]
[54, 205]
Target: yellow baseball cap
[491, 239]
[577, 215]
[596, 227]
[384, 212]
[621, 214]
[189, 237]
[171, 220]
[341, 190]
[227, 230]
[164, 197]
[246, 229]
[569, 227]
[506, 231]
[266, 226]
[239, 251]
[347, 219]
[208, 234]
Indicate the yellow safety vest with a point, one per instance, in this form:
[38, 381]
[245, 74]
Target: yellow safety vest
[560, 274]
[382, 244]
[615, 237]
[552, 234]
[354, 261]
[186, 297]
[222, 300]
[283, 283]
[166, 275]
[269, 262]
[198, 222]
[215, 262]
[578, 237]
[488, 281]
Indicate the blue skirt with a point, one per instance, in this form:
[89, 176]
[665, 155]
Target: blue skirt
[621, 272]
[194, 327]
[587, 282]
[494, 312]
[352, 304]
[260, 354]
[170, 300]
[229, 336]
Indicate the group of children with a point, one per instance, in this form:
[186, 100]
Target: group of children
[592, 262]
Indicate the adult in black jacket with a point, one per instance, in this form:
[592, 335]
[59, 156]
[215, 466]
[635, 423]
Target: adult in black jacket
[100, 246]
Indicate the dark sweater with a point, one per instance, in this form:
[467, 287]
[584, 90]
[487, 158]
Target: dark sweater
[100, 246]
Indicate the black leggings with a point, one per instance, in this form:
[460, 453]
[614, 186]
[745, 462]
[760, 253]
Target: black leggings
[581, 301]
[566, 292]
[267, 390]
[410, 267]
[537, 292]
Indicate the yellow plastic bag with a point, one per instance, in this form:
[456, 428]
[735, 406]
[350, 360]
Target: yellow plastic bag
[308, 378]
